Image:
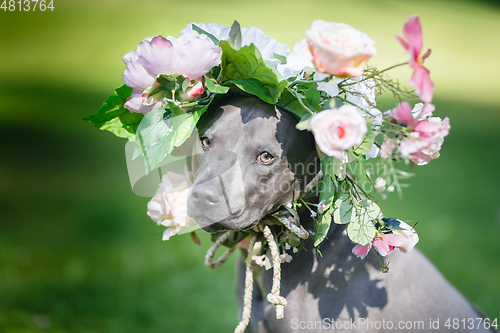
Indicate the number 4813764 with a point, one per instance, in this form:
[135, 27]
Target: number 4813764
[27, 5]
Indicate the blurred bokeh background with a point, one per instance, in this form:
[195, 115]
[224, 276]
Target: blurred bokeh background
[77, 251]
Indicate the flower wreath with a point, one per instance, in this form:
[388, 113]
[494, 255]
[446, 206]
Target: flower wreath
[322, 82]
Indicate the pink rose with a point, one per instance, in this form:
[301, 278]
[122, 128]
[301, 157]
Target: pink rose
[338, 130]
[168, 207]
[338, 49]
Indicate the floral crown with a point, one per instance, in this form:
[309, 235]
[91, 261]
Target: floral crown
[324, 82]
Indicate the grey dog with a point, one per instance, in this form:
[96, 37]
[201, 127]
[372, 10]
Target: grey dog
[253, 164]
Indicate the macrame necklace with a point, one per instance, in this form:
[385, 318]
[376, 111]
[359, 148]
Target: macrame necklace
[273, 297]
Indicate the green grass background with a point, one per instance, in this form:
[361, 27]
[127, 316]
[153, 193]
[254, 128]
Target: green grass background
[77, 251]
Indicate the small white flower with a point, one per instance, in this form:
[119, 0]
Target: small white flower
[295, 250]
[287, 246]
[313, 213]
[285, 258]
[259, 260]
[380, 184]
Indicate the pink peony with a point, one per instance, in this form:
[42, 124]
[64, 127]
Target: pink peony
[338, 130]
[383, 243]
[412, 42]
[338, 49]
[192, 55]
[168, 206]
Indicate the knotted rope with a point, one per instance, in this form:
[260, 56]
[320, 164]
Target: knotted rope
[211, 252]
[247, 296]
[291, 224]
[274, 297]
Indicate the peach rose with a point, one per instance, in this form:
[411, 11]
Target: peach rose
[338, 49]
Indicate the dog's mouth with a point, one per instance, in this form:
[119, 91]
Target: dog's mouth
[236, 221]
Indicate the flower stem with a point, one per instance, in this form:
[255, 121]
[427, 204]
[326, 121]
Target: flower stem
[384, 268]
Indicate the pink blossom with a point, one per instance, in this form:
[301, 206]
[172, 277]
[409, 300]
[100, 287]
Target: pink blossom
[412, 42]
[337, 130]
[383, 243]
[388, 147]
[338, 49]
[427, 133]
[192, 55]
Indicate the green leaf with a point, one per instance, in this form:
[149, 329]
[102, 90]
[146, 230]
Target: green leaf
[324, 226]
[203, 32]
[312, 95]
[290, 103]
[361, 231]
[367, 143]
[343, 212]
[280, 57]
[159, 132]
[253, 87]
[235, 35]
[168, 82]
[114, 117]
[304, 122]
[393, 224]
[369, 208]
[215, 88]
[247, 63]
[175, 110]
[328, 165]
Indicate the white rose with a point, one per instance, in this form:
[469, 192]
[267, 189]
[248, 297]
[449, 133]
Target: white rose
[338, 49]
[168, 206]
[338, 130]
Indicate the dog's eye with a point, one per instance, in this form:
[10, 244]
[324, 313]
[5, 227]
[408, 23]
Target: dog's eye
[266, 157]
[205, 142]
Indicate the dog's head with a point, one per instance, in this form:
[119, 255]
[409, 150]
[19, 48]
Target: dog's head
[252, 160]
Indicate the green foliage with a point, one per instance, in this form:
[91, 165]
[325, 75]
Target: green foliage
[215, 88]
[361, 231]
[343, 212]
[114, 117]
[247, 63]
[312, 95]
[289, 102]
[235, 35]
[366, 145]
[201, 31]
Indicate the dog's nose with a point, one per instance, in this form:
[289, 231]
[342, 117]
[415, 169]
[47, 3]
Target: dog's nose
[205, 194]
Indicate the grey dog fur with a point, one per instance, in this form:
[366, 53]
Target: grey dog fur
[334, 288]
